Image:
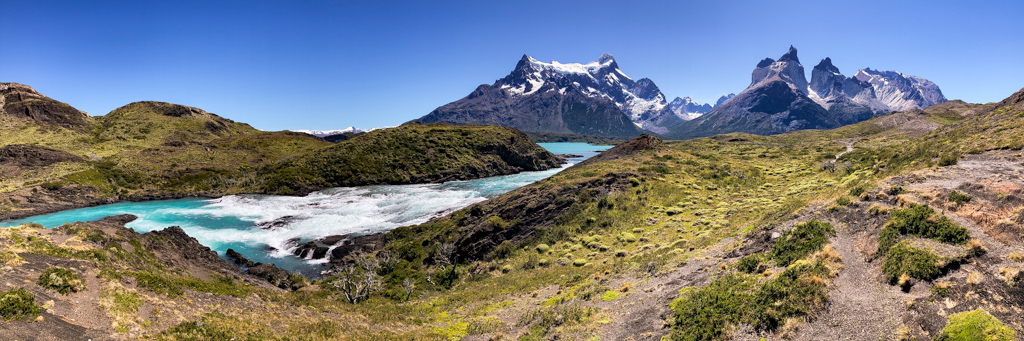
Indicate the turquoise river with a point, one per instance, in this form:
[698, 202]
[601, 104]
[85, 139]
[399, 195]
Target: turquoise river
[234, 221]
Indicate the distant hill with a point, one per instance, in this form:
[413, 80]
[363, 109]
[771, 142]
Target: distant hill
[412, 153]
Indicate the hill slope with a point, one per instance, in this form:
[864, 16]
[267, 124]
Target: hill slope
[412, 153]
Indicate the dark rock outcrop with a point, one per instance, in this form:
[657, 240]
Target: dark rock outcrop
[23, 155]
[24, 103]
[633, 146]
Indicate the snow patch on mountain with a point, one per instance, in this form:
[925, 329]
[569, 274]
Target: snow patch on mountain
[641, 99]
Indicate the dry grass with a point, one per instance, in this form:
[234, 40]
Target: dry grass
[975, 278]
[1010, 275]
[1016, 256]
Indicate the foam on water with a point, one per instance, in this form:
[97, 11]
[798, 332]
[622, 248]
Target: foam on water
[234, 221]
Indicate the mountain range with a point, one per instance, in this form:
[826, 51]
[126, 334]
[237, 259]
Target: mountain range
[597, 98]
[780, 99]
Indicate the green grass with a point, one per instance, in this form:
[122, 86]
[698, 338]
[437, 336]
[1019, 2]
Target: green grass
[976, 325]
[61, 280]
[18, 304]
[173, 286]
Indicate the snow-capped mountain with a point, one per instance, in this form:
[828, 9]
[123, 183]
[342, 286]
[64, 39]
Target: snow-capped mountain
[595, 98]
[779, 99]
[322, 133]
[901, 91]
[641, 100]
[687, 109]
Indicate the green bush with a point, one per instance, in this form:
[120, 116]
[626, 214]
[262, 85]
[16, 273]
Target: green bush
[18, 304]
[920, 221]
[705, 313]
[801, 241]
[976, 325]
[579, 262]
[915, 262]
[857, 191]
[752, 263]
[843, 201]
[62, 280]
[948, 160]
[959, 197]
[628, 237]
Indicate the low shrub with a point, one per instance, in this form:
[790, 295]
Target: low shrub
[801, 241]
[62, 280]
[914, 262]
[948, 160]
[18, 304]
[976, 325]
[920, 221]
[959, 197]
[843, 201]
[754, 263]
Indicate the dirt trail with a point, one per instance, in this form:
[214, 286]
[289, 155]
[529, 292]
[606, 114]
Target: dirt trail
[861, 306]
[849, 147]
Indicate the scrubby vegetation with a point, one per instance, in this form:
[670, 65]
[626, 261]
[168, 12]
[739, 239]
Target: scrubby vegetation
[801, 241]
[920, 221]
[706, 313]
[905, 260]
[18, 304]
[62, 280]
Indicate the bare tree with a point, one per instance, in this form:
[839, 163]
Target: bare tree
[407, 285]
[446, 253]
[357, 281]
[388, 260]
[446, 259]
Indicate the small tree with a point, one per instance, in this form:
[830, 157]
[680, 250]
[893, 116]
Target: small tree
[445, 272]
[407, 285]
[388, 260]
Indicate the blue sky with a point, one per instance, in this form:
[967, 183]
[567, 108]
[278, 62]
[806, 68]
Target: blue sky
[333, 64]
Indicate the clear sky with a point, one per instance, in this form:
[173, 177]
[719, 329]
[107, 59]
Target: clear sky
[333, 64]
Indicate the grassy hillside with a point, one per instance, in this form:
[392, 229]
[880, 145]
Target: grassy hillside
[914, 234]
[412, 153]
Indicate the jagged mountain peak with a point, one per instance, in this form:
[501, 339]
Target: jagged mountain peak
[766, 62]
[790, 55]
[605, 57]
[826, 64]
[787, 69]
[724, 98]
